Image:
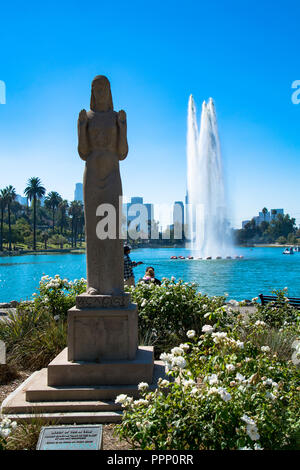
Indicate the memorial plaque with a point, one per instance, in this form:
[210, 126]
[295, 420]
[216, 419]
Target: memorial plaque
[86, 437]
[2, 353]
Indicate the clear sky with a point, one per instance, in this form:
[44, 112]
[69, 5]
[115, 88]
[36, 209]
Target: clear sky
[245, 54]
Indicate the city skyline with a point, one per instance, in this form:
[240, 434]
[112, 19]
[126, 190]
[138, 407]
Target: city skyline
[158, 210]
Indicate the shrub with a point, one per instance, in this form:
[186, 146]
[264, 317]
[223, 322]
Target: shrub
[172, 308]
[279, 313]
[25, 435]
[7, 374]
[223, 394]
[37, 332]
[41, 346]
[58, 295]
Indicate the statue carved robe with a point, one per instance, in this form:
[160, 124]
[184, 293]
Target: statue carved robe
[102, 142]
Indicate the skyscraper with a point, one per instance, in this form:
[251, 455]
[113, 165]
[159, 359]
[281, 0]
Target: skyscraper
[78, 194]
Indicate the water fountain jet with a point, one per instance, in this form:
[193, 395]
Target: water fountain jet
[209, 229]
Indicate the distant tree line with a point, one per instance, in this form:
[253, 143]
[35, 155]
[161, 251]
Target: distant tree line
[281, 229]
[57, 223]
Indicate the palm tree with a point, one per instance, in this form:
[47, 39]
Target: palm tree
[34, 191]
[51, 202]
[75, 210]
[63, 206]
[3, 203]
[10, 197]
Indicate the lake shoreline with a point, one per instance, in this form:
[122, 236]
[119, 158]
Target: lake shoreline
[82, 250]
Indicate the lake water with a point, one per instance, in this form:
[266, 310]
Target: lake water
[260, 271]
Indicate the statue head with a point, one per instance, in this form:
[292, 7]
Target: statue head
[101, 99]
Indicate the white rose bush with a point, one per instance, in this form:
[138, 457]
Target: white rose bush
[57, 295]
[172, 309]
[37, 332]
[225, 388]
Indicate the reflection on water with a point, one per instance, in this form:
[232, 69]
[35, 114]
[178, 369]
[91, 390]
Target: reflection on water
[261, 270]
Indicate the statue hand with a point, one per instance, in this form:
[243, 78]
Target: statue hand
[121, 117]
[83, 117]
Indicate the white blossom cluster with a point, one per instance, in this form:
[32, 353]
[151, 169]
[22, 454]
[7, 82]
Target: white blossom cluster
[222, 338]
[6, 427]
[173, 360]
[57, 282]
[251, 428]
[296, 353]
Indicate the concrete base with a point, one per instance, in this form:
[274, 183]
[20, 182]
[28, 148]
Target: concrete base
[62, 372]
[70, 404]
[96, 334]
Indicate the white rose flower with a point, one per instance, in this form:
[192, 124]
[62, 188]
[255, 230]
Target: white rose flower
[265, 349]
[179, 362]
[260, 323]
[253, 433]
[212, 379]
[5, 432]
[121, 398]
[142, 386]
[248, 420]
[177, 351]
[224, 394]
[271, 395]
[240, 377]
[257, 447]
[163, 383]
[191, 333]
[141, 401]
[207, 329]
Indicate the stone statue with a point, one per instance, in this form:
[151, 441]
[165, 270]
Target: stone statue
[102, 142]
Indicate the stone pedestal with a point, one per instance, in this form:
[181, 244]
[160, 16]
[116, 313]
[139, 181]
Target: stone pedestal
[96, 334]
[102, 360]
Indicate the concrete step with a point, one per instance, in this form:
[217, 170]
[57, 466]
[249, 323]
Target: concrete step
[63, 373]
[69, 418]
[37, 390]
[84, 404]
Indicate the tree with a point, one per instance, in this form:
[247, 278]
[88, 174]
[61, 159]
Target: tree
[63, 207]
[3, 203]
[292, 239]
[75, 211]
[58, 240]
[44, 237]
[34, 191]
[10, 197]
[52, 202]
[282, 225]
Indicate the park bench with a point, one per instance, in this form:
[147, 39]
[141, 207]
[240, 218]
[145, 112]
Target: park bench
[293, 301]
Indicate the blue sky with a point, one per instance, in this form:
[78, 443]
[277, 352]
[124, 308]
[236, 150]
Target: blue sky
[244, 54]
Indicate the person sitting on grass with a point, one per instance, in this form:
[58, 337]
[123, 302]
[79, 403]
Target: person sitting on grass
[150, 277]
